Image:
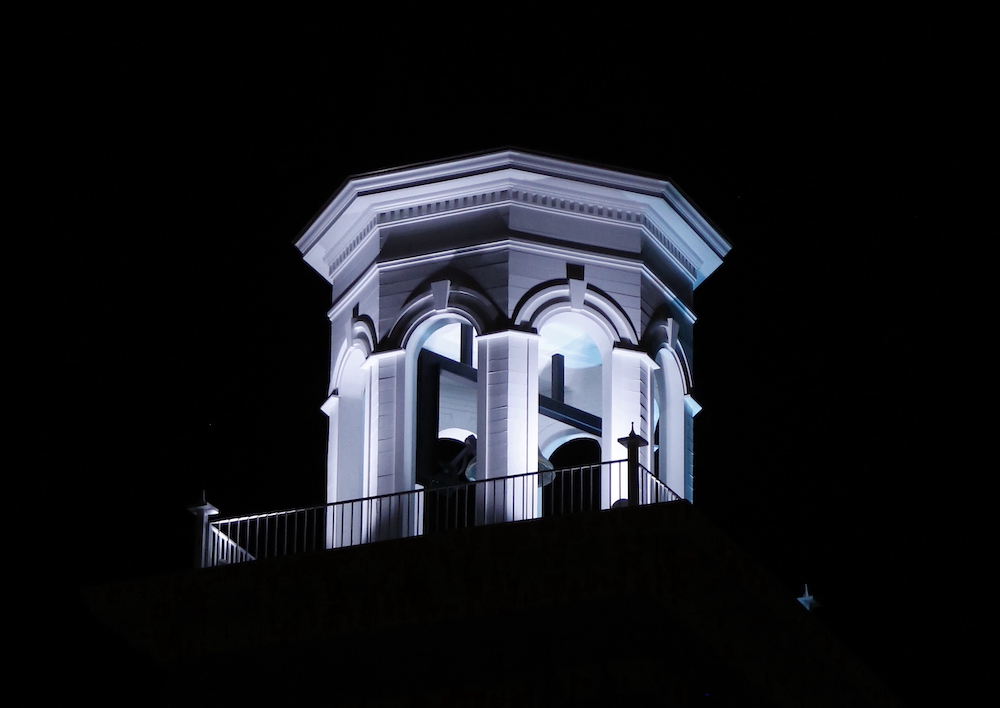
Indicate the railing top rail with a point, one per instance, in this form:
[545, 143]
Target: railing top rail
[659, 482]
[567, 490]
[315, 507]
[263, 515]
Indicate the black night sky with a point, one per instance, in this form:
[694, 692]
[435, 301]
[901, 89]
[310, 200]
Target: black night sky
[179, 342]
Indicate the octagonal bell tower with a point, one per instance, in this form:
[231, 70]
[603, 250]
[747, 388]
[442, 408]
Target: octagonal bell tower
[519, 303]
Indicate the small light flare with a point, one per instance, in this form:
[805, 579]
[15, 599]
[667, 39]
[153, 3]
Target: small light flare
[807, 600]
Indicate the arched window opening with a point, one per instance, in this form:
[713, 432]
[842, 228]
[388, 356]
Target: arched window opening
[570, 365]
[570, 409]
[446, 403]
[570, 382]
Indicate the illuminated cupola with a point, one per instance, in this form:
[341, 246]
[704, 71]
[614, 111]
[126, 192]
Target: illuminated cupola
[495, 313]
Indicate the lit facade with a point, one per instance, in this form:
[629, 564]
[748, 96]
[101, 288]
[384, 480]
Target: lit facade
[533, 304]
[526, 301]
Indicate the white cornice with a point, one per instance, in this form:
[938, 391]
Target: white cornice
[511, 178]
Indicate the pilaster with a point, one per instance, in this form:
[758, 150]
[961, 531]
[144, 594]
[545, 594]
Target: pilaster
[508, 416]
[627, 403]
[389, 423]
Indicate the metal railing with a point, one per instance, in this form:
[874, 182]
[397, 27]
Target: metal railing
[652, 490]
[420, 512]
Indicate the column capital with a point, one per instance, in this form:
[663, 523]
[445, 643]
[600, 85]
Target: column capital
[526, 334]
[383, 354]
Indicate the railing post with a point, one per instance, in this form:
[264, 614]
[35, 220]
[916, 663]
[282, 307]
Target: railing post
[202, 509]
[633, 442]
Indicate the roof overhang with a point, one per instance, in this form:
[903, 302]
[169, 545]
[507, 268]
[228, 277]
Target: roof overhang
[545, 191]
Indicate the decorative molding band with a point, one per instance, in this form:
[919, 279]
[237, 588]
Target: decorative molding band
[342, 256]
[469, 201]
[535, 199]
[611, 213]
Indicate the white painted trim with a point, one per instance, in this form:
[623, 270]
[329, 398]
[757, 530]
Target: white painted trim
[511, 178]
[538, 308]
